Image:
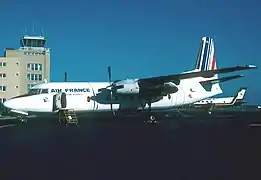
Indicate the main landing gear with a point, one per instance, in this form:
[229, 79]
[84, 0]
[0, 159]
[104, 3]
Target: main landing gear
[210, 109]
[151, 119]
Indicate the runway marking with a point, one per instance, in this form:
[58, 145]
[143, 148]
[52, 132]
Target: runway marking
[9, 125]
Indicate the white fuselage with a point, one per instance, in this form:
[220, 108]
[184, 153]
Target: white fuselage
[77, 93]
[227, 100]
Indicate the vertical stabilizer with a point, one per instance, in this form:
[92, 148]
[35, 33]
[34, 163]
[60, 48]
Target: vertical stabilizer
[240, 94]
[206, 59]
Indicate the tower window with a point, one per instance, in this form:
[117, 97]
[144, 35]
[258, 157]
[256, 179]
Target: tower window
[2, 88]
[2, 64]
[34, 67]
[2, 75]
[34, 77]
[2, 100]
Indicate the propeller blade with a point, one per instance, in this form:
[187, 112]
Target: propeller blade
[111, 97]
[111, 101]
[111, 85]
[109, 72]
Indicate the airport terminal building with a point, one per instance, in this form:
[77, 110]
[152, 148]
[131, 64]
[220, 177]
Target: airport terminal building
[24, 67]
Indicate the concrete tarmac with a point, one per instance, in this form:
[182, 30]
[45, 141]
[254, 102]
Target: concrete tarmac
[192, 147]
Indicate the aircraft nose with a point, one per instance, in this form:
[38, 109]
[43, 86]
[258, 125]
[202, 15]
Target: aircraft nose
[8, 104]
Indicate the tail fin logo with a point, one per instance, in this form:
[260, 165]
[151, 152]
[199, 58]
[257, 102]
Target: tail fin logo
[241, 93]
[206, 59]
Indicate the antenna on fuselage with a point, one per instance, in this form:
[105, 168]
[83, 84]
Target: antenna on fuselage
[65, 77]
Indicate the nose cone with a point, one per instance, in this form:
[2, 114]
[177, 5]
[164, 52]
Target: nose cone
[8, 104]
[14, 104]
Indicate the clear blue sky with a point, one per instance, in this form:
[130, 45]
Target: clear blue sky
[139, 38]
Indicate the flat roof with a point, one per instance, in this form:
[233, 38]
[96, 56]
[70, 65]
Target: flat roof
[34, 37]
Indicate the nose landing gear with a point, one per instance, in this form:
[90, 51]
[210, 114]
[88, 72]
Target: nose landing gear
[22, 119]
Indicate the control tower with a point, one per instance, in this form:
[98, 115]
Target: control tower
[33, 42]
[22, 68]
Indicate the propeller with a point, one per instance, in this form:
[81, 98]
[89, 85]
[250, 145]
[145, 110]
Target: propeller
[109, 73]
[65, 76]
[111, 85]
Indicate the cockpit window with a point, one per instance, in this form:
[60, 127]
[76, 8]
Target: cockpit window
[33, 91]
[38, 91]
[44, 91]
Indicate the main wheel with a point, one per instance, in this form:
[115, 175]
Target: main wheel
[151, 120]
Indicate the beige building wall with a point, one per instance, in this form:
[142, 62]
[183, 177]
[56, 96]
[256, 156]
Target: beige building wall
[20, 69]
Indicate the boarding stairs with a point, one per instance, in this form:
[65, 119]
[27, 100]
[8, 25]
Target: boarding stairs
[67, 116]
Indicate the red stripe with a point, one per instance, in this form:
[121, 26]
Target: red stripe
[213, 63]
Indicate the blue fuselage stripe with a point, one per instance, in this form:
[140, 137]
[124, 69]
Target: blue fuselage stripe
[207, 58]
[204, 55]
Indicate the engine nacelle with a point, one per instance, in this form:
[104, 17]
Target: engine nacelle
[170, 87]
[131, 86]
[128, 86]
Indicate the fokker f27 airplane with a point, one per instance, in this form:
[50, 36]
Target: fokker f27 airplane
[154, 93]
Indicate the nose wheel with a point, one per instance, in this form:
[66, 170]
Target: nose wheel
[22, 119]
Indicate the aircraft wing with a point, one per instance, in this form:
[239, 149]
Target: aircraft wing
[176, 77]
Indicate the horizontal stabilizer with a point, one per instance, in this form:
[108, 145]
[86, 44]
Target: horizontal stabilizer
[219, 80]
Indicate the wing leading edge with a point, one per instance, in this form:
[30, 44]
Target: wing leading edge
[204, 74]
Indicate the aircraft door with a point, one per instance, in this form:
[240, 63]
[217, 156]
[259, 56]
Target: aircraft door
[59, 101]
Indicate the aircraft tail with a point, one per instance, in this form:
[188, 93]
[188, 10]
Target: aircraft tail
[206, 59]
[238, 98]
[240, 95]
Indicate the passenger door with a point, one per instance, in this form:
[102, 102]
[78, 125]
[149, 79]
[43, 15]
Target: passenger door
[59, 101]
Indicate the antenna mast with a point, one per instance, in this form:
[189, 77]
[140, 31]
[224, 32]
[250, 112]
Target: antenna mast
[33, 26]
